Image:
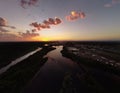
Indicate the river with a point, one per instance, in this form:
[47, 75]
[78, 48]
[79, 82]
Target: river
[50, 77]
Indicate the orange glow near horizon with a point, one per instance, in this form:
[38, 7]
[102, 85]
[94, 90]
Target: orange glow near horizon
[45, 39]
[37, 38]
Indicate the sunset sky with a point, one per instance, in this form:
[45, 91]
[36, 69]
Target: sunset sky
[46, 20]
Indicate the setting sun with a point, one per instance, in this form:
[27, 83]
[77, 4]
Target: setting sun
[45, 39]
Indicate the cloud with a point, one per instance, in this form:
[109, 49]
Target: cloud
[25, 3]
[32, 2]
[115, 1]
[74, 15]
[13, 27]
[3, 24]
[18, 36]
[3, 30]
[58, 21]
[51, 21]
[9, 36]
[33, 30]
[46, 24]
[28, 34]
[108, 5]
[112, 3]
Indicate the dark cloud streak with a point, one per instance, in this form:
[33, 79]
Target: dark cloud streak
[3, 22]
[3, 25]
[28, 34]
[46, 24]
[25, 3]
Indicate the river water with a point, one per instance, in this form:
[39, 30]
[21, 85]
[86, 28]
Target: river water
[50, 77]
[55, 59]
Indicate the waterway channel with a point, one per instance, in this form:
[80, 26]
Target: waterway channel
[50, 77]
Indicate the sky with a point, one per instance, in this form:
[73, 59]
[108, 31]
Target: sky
[54, 20]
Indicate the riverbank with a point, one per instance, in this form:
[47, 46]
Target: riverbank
[88, 58]
[105, 75]
[16, 78]
[9, 51]
[61, 75]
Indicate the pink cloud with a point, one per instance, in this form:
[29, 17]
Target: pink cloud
[46, 24]
[108, 5]
[112, 3]
[74, 15]
[3, 23]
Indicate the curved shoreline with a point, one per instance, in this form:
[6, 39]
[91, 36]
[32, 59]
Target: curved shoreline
[16, 78]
